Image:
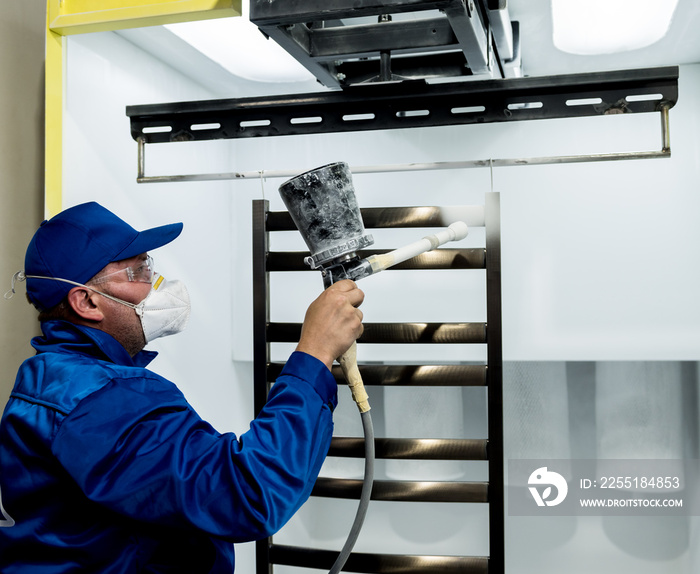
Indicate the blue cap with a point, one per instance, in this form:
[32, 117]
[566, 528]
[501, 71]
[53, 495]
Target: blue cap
[78, 243]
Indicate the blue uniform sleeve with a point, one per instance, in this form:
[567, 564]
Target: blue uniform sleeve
[137, 448]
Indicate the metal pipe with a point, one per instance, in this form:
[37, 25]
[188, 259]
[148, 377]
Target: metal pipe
[141, 170]
[665, 152]
[469, 164]
[665, 129]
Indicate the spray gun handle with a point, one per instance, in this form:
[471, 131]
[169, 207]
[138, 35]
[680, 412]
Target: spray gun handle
[455, 232]
[356, 268]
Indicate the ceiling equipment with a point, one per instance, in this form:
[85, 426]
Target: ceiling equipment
[346, 42]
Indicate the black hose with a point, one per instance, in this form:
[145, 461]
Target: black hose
[364, 496]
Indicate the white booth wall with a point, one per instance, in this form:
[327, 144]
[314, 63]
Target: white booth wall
[599, 267]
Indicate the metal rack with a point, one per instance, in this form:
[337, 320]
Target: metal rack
[488, 375]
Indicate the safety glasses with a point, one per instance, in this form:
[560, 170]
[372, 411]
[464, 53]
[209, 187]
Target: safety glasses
[142, 272]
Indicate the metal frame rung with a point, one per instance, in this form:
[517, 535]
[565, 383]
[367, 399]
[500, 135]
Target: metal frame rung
[378, 563]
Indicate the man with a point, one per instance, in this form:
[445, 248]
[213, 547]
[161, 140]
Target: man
[104, 466]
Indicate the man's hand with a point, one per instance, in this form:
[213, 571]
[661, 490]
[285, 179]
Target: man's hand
[332, 322]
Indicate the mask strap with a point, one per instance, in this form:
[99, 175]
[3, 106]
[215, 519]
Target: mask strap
[20, 276]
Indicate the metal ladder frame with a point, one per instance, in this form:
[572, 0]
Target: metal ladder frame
[488, 375]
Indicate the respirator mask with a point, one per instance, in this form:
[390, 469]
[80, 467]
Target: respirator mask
[165, 310]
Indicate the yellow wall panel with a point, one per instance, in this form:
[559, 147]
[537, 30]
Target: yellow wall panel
[53, 159]
[80, 16]
[66, 17]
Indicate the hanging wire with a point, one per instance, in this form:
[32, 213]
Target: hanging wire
[262, 182]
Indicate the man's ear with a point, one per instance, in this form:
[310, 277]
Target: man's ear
[85, 304]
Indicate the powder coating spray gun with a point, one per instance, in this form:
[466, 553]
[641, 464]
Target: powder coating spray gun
[323, 206]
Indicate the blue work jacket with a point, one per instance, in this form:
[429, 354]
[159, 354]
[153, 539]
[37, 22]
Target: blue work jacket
[105, 467]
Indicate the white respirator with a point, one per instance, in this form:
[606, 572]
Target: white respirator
[165, 310]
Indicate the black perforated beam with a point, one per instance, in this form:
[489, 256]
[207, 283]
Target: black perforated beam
[408, 105]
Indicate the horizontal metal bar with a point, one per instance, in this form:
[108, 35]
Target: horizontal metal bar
[404, 491]
[378, 563]
[413, 449]
[480, 163]
[470, 164]
[433, 260]
[420, 375]
[286, 174]
[412, 333]
[665, 153]
[408, 375]
[391, 217]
